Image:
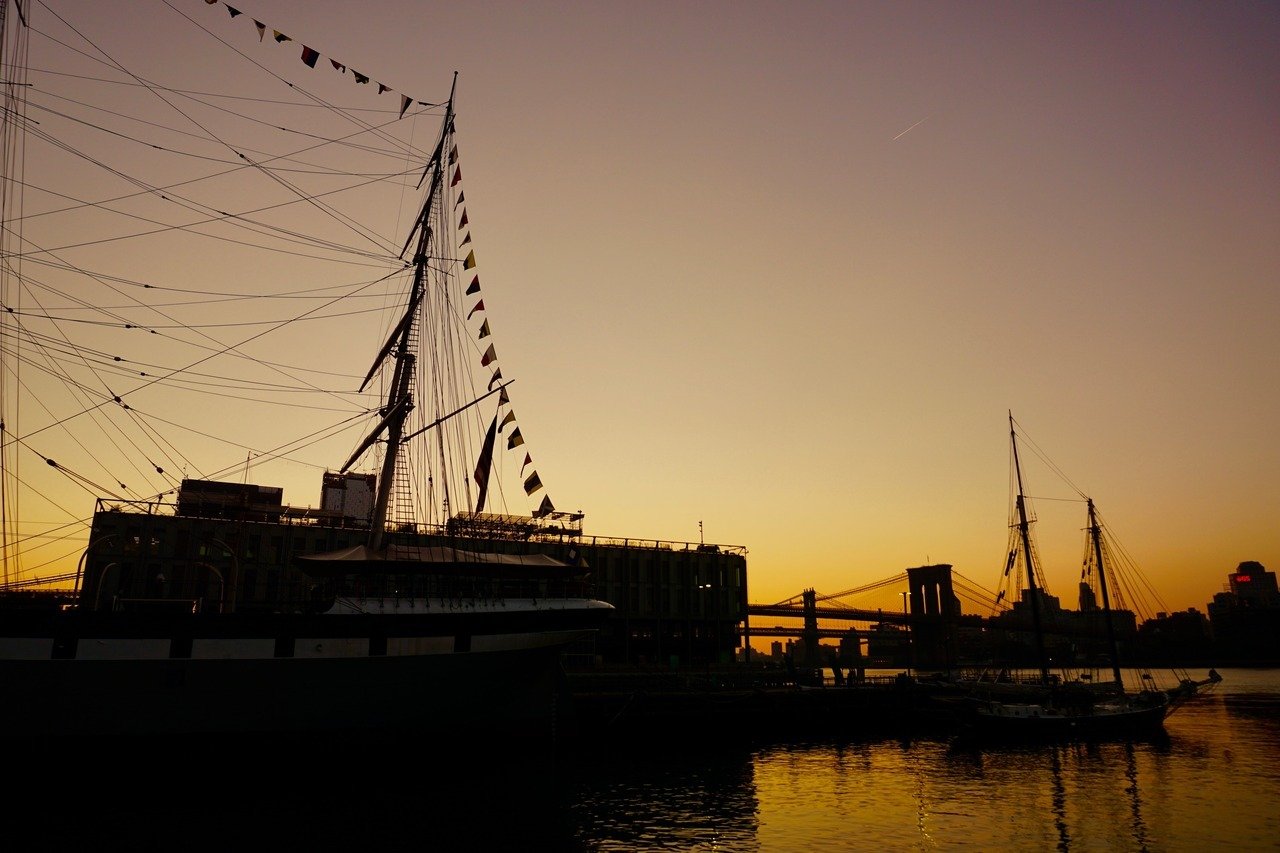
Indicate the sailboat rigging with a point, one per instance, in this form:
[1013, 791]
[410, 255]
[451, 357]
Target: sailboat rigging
[1070, 703]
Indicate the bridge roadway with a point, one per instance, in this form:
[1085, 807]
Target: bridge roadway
[846, 614]
[779, 631]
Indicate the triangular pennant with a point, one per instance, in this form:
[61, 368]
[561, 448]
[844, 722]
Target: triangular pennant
[453, 155]
[532, 484]
[474, 287]
[457, 176]
[309, 56]
[510, 418]
[489, 357]
[262, 29]
[503, 399]
[470, 262]
[546, 507]
[338, 66]
[462, 223]
[485, 463]
[461, 196]
[516, 439]
[280, 37]
[233, 12]
[405, 101]
[465, 240]
[527, 460]
[478, 307]
[484, 330]
[495, 379]
[383, 87]
[360, 78]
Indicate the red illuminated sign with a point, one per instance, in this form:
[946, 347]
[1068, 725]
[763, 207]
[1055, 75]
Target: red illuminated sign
[1242, 578]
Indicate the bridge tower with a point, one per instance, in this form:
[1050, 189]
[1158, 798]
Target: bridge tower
[810, 635]
[935, 610]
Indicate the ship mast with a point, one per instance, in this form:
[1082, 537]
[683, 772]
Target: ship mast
[400, 394]
[1025, 532]
[1095, 532]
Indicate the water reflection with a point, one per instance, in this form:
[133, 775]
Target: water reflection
[1059, 801]
[1210, 783]
[664, 799]
[1135, 798]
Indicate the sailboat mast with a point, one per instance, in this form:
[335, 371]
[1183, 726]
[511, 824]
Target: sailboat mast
[1095, 532]
[1024, 529]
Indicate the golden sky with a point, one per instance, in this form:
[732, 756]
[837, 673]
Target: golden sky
[782, 270]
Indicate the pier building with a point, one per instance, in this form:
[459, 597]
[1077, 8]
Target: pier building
[232, 546]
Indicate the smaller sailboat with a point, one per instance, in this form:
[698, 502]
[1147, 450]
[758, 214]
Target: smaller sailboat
[1080, 699]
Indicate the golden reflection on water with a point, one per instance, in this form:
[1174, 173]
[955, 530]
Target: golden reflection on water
[1211, 783]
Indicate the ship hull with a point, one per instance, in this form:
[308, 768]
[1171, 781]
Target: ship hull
[118, 675]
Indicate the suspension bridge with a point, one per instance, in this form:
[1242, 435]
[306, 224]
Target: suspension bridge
[933, 606]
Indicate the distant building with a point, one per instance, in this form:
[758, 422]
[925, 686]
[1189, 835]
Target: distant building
[1245, 618]
[1254, 586]
[1183, 638]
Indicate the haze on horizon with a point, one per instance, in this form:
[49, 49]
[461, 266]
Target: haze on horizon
[774, 275]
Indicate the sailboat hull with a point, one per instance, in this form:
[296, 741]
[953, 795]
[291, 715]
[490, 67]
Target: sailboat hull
[1133, 716]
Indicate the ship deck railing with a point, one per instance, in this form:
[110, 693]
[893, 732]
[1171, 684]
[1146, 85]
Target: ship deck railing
[312, 517]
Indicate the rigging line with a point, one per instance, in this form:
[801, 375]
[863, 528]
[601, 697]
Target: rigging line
[140, 420]
[278, 452]
[49, 340]
[1060, 500]
[214, 352]
[397, 147]
[336, 110]
[78, 479]
[191, 204]
[1035, 448]
[187, 385]
[69, 382]
[105, 432]
[446, 417]
[302, 293]
[166, 194]
[195, 94]
[222, 217]
[343, 221]
[117, 367]
[222, 300]
[346, 223]
[41, 581]
[10, 203]
[124, 324]
[1126, 564]
[59, 559]
[312, 168]
[202, 387]
[346, 112]
[73, 384]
